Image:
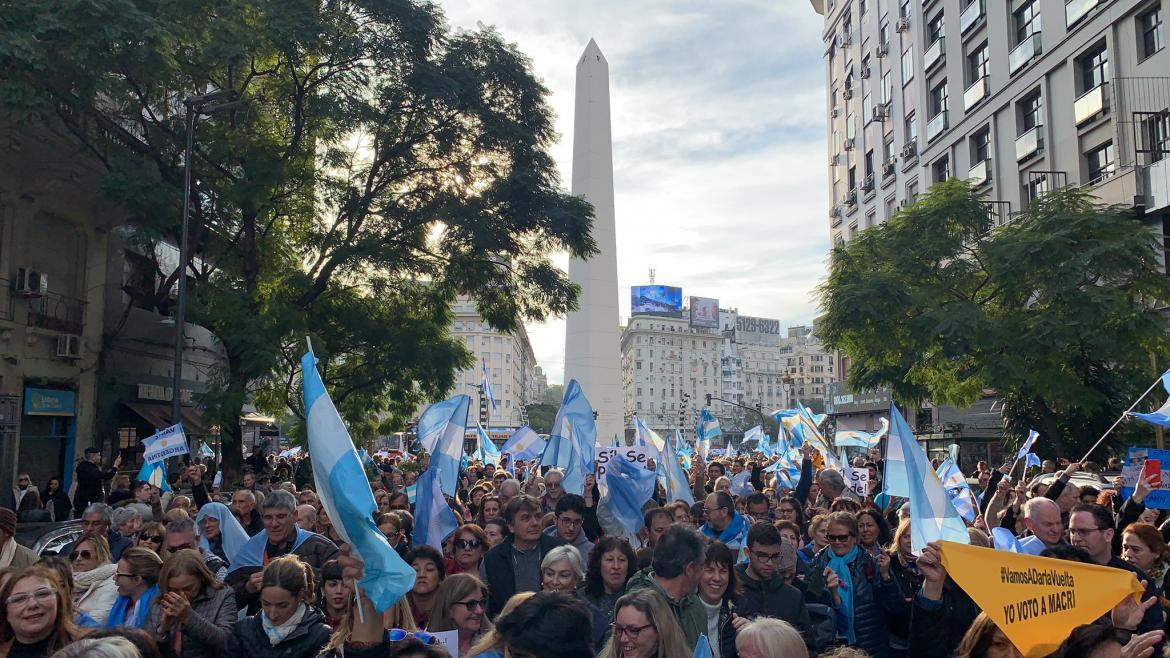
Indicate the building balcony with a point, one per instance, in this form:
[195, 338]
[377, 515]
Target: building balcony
[936, 126]
[975, 93]
[935, 54]
[1075, 10]
[1024, 52]
[1029, 143]
[1091, 103]
[57, 313]
[1156, 183]
[980, 174]
[971, 15]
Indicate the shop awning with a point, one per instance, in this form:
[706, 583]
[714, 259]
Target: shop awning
[159, 416]
[257, 418]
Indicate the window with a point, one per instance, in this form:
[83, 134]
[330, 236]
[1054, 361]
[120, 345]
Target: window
[888, 149]
[884, 32]
[981, 145]
[852, 178]
[870, 219]
[869, 166]
[1026, 20]
[907, 65]
[1150, 31]
[866, 109]
[850, 127]
[1156, 131]
[1100, 161]
[935, 28]
[977, 64]
[887, 87]
[1030, 112]
[912, 191]
[861, 7]
[1093, 68]
[891, 206]
[911, 128]
[941, 169]
[938, 99]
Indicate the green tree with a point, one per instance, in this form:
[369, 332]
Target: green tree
[378, 167]
[541, 416]
[1053, 311]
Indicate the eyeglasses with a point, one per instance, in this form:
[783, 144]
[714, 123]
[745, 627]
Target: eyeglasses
[157, 539]
[766, 557]
[709, 510]
[39, 595]
[569, 521]
[1081, 532]
[466, 543]
[120, 574]
[838, 539]
[472, 605]
[398, 635]
[85, 555]
[632, 631]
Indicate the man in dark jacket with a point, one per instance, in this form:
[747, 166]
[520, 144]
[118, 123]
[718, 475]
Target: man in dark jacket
[765, 594]
[96, 519]
[90, 476]
[244, 509]
[280, 536]
[514, 565]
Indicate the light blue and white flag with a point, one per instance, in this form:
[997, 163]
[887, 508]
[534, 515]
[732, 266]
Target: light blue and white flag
[741, 484]
[908, 474]
[487, 387]
[206, 451]
[154, 473]
[957, 488]
[571, 444]
[644, 436]
[440, 432]
[703, 648]
[1004, 540]
[365, 456]
[346, 496]
[707, 429]
[434, 520]
[859, 439]
[1032, 459]
[617, 443]
[486, 451]
[169, 442]
[676, 485]
[627, 489]
[754, 434]
[524, 443]
[1161, 416]
[1027, 446]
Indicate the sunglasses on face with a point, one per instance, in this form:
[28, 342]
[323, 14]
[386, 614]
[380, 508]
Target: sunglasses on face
[398, 635]
[467, 543]
[477, 604]
[838, 539]
[154, 539]
[85, 555]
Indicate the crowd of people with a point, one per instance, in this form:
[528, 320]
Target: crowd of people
[753, 571]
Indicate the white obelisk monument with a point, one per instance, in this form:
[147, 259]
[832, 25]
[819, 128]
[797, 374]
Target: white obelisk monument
[592, 336]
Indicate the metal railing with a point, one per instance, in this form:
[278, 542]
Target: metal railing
[1030, 142]
[46, 311]
[971, 15]
[1024, 52]
[975, 93]
[1091, 103]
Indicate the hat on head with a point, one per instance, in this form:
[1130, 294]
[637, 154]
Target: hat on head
[787, 558]
[7, 520]
[93, 450]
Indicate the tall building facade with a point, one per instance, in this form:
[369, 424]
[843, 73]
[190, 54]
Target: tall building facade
[510, 362]
[1016, 96]
[810, 367]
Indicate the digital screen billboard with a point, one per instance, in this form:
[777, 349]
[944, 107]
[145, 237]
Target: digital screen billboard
[656, 300]
[705, 312]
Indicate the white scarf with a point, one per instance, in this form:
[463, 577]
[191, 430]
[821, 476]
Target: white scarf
[7, 553]
[83, 580]
[277, 633]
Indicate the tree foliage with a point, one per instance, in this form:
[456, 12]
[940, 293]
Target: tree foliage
[378, 167]
[1052, 311]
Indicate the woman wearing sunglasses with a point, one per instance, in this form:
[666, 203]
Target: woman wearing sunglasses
[150, 536]
[468, 547]
[38, 618]
[94, 589]
[857, 586]
[644, 627]
[460, 605]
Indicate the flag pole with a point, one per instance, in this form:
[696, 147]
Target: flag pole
[1121, 418]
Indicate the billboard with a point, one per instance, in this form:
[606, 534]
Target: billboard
[840, 400]
[656, 300]
[705, 312]
[757, 331]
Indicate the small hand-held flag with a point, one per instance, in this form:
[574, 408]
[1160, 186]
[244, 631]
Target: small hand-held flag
[487, 387]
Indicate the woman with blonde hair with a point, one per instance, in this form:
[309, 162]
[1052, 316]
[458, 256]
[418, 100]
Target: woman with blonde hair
[288, 624]
[645, 627]
[765, 638]
[151, 536]
[194, 613]
[460, 604]
[94, 589]
[491, 644]
[37, 617]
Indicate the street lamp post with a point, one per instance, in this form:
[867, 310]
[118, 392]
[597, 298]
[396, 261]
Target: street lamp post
[196, 105]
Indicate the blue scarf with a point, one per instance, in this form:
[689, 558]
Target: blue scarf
[840, 566]
[734, 535]
[118, 612]
[252, 552]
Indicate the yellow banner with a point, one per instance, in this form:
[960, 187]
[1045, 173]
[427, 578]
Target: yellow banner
[1036, 601]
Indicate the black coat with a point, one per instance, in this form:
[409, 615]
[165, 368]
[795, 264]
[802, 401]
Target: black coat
[248, 639]
[89, 485]
[936, 629]
[874, 599]
[58, 501]
[773, 598]
[501, 579]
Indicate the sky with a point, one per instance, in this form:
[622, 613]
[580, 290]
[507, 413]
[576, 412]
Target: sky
[718, 115]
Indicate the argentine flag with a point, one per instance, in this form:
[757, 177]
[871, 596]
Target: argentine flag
[1031, 459]
[1027, 447]
[1162, 415]
[434, 519]
[524, 443]
[440, 432]
[859, 439]
[676, 484]
[154, 473]
[346, 496]
[627, 488]
[908, 474]
[571, 444]
[487, 387]
[956, 485]
[648, 438]
[486, 451]
[707, 429]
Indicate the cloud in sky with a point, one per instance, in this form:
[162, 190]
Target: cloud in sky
[718, 141]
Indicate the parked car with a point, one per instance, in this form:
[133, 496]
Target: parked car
[48, 538]
[1079, 479]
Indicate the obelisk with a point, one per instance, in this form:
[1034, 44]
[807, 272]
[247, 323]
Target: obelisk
[592, 335]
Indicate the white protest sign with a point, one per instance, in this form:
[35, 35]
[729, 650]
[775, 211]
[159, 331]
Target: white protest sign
[634, 454]
[170, 442]
[449, 640]
[857, 479]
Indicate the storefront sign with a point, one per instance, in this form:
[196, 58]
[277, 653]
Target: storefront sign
[49, 402]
